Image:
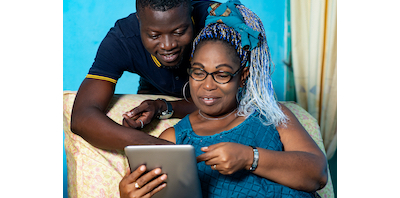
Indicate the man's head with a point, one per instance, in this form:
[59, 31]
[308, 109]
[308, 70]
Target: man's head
[161, 5]
[166, 29]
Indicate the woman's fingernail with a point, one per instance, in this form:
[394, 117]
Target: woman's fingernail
[204, 148]
[142, 168]
[163, 177]
[157, 171]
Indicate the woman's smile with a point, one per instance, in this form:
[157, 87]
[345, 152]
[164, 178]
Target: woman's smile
[209, 100]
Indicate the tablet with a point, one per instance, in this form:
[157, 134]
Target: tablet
[177, 161]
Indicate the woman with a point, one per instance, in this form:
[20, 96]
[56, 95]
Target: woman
[240, 132]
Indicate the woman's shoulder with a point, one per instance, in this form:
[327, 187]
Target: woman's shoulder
[258, 117]
[168, 134]
[183, 124]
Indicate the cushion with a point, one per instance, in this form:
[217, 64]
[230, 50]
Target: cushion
[94, 172]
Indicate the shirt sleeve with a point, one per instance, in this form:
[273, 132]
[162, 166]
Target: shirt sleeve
[112, 58]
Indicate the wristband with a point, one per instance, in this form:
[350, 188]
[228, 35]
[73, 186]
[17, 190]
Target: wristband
[255, 159]
[167, 113]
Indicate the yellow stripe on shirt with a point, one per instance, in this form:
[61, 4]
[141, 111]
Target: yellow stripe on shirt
[101, 78]
[156, 61]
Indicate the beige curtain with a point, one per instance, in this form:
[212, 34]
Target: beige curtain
[313, 33]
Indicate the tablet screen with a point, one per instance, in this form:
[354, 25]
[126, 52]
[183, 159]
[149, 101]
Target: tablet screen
[177, 161]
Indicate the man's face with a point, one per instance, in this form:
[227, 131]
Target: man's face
[166, 35]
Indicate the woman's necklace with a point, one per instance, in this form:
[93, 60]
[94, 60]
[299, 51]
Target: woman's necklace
[216, 118]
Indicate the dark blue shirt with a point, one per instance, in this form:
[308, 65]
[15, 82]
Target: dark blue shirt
[122, 50]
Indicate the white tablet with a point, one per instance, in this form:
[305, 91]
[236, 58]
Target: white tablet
[177, 161]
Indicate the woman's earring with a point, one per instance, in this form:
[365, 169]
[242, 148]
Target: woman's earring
[241, 92]
[184, 95]
[243, 84]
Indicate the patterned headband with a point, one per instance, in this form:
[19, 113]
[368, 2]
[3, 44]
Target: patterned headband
[220, 31]
[231, 13]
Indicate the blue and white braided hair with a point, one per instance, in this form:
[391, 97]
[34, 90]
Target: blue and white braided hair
[258, 92]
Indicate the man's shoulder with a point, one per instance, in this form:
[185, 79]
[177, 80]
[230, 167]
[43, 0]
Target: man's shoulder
[201, 6]
[128, 26]
[200, 13]
[203, 3]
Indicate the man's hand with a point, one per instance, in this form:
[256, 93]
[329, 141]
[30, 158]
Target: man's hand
[143, 114]
[227, 157]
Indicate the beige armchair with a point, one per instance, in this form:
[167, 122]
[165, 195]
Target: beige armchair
[94, 172]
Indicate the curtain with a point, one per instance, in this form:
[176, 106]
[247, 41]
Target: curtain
[314, 60]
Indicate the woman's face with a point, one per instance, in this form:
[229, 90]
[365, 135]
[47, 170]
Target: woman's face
[209, 96]
[167, 35]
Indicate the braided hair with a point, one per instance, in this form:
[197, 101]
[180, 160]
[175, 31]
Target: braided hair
[258, 92]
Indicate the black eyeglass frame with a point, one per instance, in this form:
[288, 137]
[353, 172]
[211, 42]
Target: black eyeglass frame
[190, 71]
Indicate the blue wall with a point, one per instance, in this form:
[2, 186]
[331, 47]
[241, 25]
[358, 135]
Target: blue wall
[86, 22]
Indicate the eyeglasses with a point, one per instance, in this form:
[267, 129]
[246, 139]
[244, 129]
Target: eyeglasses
[220, 77]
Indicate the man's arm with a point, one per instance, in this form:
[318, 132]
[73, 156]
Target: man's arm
[89, 119]
[182, 108]
[147, 111]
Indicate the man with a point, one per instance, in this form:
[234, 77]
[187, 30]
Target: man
[155, 43]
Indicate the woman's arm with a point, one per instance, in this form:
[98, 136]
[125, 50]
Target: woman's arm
[301, 166]
[169, 135]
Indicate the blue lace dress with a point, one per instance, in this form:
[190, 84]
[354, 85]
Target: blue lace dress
[242, 183]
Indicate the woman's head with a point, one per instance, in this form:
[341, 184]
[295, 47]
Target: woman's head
[253, 87]
[216, 75]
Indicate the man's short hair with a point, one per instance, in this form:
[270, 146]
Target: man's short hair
[161, 5]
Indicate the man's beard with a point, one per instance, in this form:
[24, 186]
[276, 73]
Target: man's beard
[173, 67]
[185, 54]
